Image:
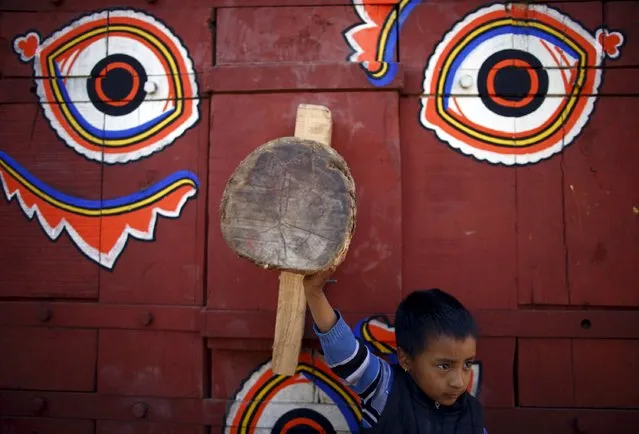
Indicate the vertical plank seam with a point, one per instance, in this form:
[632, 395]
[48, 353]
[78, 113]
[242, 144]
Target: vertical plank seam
[516, 374]
[572, 373]
[518, 246]
[207, 353]
[100, 252]
[564, 228]
[213, 30]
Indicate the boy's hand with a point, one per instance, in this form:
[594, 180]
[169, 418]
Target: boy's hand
[321, 310]
[314, 283]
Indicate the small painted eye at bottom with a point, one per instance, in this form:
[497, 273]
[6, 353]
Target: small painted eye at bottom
[314, 400]
[303, 420]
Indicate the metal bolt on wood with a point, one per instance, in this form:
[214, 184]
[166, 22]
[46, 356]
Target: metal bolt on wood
[146, 318]
[38, 404]
[140, 409]
[45, 314]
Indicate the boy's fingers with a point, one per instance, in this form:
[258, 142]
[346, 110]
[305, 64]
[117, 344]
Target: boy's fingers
[320, 276]
[325, 274]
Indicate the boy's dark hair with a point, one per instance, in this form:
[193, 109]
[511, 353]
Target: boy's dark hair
[431, 313]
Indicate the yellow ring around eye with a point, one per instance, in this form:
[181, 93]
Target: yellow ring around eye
[512, 142]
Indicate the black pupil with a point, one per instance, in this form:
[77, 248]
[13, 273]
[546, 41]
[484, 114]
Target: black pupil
[299, 425]
[113, 80]
[512, 83]
[512, 91]
[117, 83]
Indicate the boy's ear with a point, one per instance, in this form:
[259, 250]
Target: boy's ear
[404, 360]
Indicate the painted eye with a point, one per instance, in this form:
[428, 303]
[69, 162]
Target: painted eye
[123, 83]
[514, 85]
[279, 404]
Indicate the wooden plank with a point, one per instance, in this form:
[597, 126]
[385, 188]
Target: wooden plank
[102, 315]
[212, 411]
[223, 324]
[293, 76]
[455, 211]
[593, 360]
[622, 16]
[170, 269]
[20, 425]
[601, 207]
[230, 367]
[283, 34]
[560, 421]
[77, 5]
[545, 373]
[31, 263]
[151, 363]
[312, 122]
[541, 259]
[619, 82]
[47, 359]
[497, 356]
[374, 257]
[114, 407]
[289, 322]
[590, 324]
[110, 427]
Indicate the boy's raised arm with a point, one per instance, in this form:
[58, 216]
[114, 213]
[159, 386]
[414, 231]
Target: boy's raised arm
[323, 314]
[369, 376]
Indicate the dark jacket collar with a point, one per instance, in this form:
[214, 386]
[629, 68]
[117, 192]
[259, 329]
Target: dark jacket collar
[424, 400]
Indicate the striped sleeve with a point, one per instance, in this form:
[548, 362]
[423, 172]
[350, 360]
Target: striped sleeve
[368, 375]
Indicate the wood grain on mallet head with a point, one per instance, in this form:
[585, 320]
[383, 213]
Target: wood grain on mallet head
[290, 205]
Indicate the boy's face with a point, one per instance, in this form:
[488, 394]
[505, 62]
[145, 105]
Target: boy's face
[443, 369]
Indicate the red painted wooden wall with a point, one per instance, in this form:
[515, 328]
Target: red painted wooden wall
[123, 311]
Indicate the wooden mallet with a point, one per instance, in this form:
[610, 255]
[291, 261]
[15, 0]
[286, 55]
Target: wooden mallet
[290, 206]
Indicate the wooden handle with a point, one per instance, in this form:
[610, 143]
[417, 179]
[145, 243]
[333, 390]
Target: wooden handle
[313, 122]
[289, 323]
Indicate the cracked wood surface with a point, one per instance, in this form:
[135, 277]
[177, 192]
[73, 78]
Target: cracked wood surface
[290, 205]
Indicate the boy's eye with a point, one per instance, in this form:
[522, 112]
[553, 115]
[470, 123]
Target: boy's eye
[469, 365]
[444, 366]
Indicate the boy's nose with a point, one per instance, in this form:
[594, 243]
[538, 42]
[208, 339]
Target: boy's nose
[457, 380]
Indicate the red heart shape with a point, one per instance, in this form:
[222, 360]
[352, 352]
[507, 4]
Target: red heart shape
[28, 45]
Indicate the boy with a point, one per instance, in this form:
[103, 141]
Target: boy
[425, 393]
